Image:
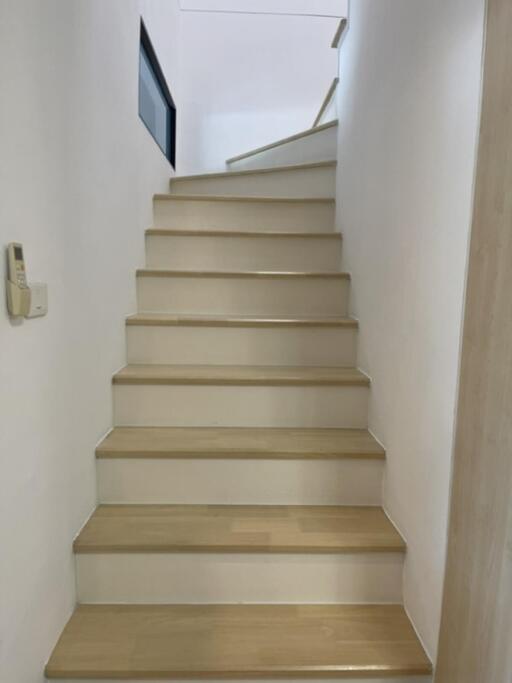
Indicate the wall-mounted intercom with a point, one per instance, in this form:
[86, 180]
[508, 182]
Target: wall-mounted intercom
[23, 300]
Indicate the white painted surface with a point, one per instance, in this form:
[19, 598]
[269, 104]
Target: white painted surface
[244, 296]
[408, 99]
[211, 252]
[239, 406]
[307, 182]
[240, 215]
[319, 146]
[205, 578]
[242, 345]
[249, 80]
[334, 7]
[77, 173]
[240, 482]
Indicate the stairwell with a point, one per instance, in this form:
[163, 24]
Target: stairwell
[239, 532]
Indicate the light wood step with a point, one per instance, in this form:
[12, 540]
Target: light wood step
[240, 340]
[311, 145]
[237, 466]
[238, 250]
[294, 180]
[238, 528]
[238, 554]
[240, 396]
[240, 375]
[223, 212]
[217, 443]
[237, 641]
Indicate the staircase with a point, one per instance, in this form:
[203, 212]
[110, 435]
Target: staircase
[239, 533]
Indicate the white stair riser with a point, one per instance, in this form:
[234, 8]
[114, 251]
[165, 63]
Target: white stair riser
[242, 253]
[229, 215]
[319, 146]
[242, 345]
[313, 182]
[405, 679]
[239, 482]
[240, 406]
[202, 578]
[244, 296]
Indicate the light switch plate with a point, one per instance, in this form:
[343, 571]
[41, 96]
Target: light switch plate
[38, 300]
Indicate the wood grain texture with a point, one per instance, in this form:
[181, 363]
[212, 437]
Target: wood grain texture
[238, 529]
[283, 141]
[241, 199]
[244, 641]
[240, 375]
[257, 171]
[476, 631]
[244, 274]
[262, 234]
[239, 443]
[173, 320]
[327, 99]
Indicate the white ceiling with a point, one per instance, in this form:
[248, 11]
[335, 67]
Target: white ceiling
[330, 7]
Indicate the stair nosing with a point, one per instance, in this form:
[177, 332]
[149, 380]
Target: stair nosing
[242, 198]
[283, 141]
[169, 232]
[242, 274]
[357, 379]
[162, 320]
[119, 454]
[257, 171]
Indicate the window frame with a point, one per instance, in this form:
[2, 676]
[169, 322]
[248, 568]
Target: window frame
[146, 46]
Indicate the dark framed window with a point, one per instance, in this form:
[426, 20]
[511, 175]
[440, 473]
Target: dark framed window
[156, 106]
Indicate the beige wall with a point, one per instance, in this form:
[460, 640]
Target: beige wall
[77, 172]
[408, 106]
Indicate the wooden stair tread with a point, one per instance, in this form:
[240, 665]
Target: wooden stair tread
[232, 442]
[240, 375]
[243, 274]
[207, 232]
[176, 320]
[258, 171]
[251, 199]
[237, 641]
[238, 528]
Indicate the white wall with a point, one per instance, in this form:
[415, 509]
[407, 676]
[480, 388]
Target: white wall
[249, 80]
[408, 106]
[77, 172]
[326, 7]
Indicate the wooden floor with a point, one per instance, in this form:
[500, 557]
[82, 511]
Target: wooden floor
[238, 528]
[227, 641]
[240, 375]
[232, 442]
